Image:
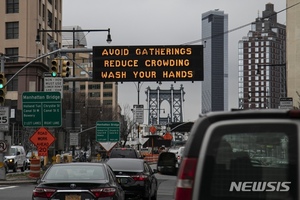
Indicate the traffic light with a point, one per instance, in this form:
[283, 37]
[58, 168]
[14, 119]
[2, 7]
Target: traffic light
[65, 70]
[2, 88]
[54, 68]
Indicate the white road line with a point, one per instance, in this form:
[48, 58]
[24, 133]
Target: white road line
[8, 187]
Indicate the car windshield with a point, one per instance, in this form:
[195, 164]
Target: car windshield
[13, 151]
[75, 172]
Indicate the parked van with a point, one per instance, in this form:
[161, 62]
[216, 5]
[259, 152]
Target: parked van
[16, 159]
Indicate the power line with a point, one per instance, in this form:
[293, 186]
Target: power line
[240, 27]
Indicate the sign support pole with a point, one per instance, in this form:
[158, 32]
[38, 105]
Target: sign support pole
[2, 168]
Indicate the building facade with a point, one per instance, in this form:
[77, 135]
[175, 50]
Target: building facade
[20, 22]
[293, 51]
[215, 84]
[262, 63]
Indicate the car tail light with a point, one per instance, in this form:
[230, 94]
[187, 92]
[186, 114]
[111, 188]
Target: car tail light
[43, 192]
[185, 181]
[139, 177]
[103, 192]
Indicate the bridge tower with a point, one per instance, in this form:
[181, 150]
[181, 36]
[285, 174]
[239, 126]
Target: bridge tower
[156, 97]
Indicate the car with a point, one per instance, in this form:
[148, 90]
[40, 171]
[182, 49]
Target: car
[125, 153]
[29, 156]
[167, 163]
[78, 180]
[135, 176]
[219, 159]
[16, 158]
[178, 151]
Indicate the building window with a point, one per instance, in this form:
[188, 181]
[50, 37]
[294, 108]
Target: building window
[107, 94]
[12, 6]
[12, 30]
[12, 54]
[94, 94]
[107, 102]
[49, 21]
[94, 86]
[107, 86]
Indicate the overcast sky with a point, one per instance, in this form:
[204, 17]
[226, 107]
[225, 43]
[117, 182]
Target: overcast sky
[165, 22]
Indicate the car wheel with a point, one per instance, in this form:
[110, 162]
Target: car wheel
[23, 168]
[148, 197]
[15, 168]
[154, 197]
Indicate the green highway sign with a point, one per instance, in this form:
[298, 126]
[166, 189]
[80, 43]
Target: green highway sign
[41, 109]
[108, 131]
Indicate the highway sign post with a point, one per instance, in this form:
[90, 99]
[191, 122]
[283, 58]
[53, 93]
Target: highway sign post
[108, 131]
[41, 109]
[4, 118]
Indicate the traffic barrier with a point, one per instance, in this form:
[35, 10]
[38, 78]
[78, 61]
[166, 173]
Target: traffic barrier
[35, 168]
[151, 158]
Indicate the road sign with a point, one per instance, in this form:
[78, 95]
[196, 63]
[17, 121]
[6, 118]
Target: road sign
[286, 103]
[138, 113]
[108, 131]
[73, 139]
[152, 129]
[3, 146]
[42, 139]
[41, 109]
[4, 118]
[53, 84]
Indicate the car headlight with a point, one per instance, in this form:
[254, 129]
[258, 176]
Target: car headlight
[11, 160]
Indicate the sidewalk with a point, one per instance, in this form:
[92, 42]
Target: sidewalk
[21, 178]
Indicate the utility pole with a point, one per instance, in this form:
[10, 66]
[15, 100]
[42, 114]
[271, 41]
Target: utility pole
[2, 168]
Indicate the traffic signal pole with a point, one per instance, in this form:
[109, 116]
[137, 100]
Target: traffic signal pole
[2, 168]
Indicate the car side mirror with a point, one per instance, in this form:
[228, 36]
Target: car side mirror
[18, 153]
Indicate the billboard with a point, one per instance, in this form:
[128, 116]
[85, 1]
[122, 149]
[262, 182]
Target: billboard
[148, 63]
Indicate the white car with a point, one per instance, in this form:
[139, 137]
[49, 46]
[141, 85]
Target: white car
[178, 151]
[16, 158]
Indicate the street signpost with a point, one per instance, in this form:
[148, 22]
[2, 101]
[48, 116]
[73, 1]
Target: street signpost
[138, 113]
[108, 131]
[4, 118]
[41, 109]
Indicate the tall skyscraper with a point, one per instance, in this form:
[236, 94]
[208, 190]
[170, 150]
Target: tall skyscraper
[215, 83]
[262, 63]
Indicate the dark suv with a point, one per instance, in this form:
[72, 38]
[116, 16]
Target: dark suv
[124, 153]
[245, 154]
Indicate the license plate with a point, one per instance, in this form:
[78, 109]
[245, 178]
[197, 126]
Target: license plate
[123, 180]
[73, 197]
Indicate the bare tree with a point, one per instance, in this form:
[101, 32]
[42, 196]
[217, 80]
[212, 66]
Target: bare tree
[127, 124]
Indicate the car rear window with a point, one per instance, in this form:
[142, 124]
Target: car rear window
[76, 172]
[121, 165]
[251, 161]
[123, 153]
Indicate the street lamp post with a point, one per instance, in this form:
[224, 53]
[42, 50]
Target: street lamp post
[109, 40]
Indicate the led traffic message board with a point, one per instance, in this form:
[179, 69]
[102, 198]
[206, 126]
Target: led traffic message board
[147, 63]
